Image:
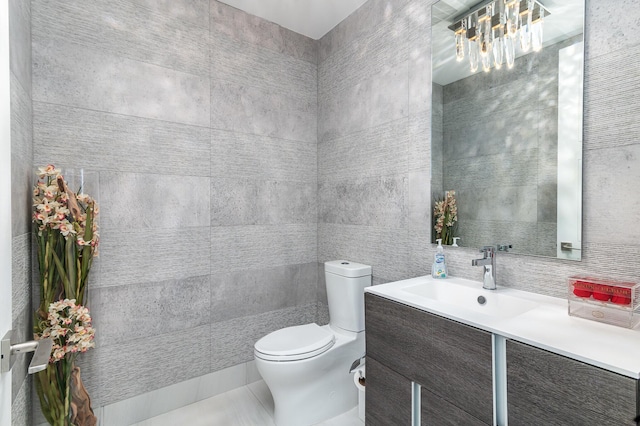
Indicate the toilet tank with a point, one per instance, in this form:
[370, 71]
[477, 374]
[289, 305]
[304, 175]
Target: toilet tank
[345, 293]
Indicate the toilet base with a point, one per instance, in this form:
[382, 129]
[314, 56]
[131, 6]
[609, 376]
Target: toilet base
[309, 391]
[313, 405]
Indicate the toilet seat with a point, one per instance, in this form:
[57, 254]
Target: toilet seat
[294, 343]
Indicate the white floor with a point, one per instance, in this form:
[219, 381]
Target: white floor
[249, 405]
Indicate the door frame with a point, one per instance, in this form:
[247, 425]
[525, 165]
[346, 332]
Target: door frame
[5, 204]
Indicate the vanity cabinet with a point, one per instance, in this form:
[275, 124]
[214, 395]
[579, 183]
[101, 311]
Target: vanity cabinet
[388, 396]
[545, 388]
[452, 362]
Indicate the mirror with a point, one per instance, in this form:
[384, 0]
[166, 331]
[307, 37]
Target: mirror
[508, 141]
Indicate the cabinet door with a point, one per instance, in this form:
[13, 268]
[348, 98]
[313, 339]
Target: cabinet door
[435, 411]
[449, 359]
[387, 396]
[544, 388]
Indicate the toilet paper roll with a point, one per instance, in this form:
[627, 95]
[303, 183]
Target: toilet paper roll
[357, 374]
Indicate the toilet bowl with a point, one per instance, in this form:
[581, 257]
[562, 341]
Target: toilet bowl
[306, 367]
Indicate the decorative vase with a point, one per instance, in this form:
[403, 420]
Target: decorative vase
[66, 234]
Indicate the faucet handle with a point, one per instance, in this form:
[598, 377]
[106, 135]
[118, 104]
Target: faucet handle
[504, 247]
[487, 249]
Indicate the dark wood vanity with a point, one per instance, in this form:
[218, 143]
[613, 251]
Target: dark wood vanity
[453, 365]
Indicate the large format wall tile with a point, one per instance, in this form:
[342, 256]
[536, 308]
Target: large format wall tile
[21, 309]
[384, 248]
[622, 21]
[144, 255]
[173, 35]
[236, 248]
[131, 312]
[503, 169]
[368, 103]
[154, 201]
[251, 292]
[608, 214]
[21, 407]
[365, 153]
[232, 341]
[371, 14]
[383, 48]
[260, 202]
[419, 47]
[244, 155]
[373, 201]
[233, 22]
[96, 140]
[70, 74]
[245, 63]
[134, 367]
[612, 79]
[20, 45]
[21, 158]
[249, 109]
[420, 152]
[260, 32]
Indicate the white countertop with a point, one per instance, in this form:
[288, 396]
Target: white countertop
[547, 326]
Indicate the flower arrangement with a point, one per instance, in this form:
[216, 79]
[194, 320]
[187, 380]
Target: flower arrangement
[445, 215]
[67, 241]
[69, 325]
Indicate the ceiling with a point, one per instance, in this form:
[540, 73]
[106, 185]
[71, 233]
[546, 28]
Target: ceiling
[312, 18]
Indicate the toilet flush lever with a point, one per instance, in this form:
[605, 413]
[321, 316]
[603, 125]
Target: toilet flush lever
[357, 363]
[42, 349]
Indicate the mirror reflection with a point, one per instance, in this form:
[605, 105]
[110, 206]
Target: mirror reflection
[507, 124]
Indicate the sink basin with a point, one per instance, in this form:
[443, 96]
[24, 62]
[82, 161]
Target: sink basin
[486, 302]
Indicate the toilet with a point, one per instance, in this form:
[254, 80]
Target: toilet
[306, 367]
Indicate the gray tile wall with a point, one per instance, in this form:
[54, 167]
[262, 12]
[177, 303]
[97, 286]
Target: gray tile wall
[373, 139]
[201, 123]
[389, 233]
[21, 169]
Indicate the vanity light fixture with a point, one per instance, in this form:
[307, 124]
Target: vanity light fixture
[488, 34]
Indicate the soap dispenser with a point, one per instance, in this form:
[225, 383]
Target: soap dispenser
[439, 268]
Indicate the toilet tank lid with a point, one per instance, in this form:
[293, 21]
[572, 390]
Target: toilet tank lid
[347, 268]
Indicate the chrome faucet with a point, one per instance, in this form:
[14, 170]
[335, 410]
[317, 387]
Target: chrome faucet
[489, 263]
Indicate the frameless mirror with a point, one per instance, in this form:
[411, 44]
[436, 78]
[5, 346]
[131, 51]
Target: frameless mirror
[507, 122]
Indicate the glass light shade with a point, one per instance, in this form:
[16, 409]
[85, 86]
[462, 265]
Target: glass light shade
[474, 55]
[510, 51]
[512, 12]
[536, 33]
[484, 39]
[498, 52]
[525, 31]
[460, 46]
